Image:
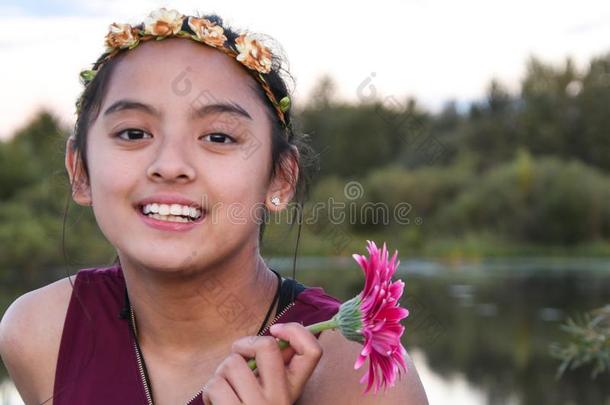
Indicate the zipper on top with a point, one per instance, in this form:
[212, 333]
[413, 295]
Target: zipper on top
[139, 358]
[141, 368]
[260, 334]
[148, 398]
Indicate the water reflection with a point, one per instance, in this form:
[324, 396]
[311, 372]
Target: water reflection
[486, 327]
[9, 394]
[455, 390]
[480, 333]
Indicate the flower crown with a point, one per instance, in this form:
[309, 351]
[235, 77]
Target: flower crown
[163, 23]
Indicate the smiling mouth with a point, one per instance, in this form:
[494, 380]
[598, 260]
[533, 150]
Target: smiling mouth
[172, 213]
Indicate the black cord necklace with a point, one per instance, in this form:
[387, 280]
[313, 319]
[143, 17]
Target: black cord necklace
[127, 309]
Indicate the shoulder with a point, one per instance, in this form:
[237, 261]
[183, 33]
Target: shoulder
[336, 369]
[30, 335]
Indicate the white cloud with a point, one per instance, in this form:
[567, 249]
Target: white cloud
[433, 50]
[40, 67]
[8, 10]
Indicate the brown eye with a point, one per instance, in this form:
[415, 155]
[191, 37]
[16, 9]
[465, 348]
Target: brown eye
[219, 138]
[131, 132]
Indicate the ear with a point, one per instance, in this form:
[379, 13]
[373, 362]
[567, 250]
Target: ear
[283, 186]
[81, 191]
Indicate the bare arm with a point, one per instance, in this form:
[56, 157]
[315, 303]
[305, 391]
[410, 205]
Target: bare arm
[30, 331]
[336, 382]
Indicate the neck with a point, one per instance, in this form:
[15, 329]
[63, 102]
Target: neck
[179, 315]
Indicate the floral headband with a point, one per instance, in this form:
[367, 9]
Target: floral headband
[163, 23]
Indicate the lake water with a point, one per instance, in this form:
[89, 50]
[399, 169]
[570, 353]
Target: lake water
[480, 333]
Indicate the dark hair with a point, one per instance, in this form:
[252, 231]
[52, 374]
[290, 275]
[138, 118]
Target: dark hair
[283, 138]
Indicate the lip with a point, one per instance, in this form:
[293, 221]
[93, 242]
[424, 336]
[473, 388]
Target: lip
[170, 226]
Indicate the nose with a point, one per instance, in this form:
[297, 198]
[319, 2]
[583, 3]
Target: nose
[171, 162]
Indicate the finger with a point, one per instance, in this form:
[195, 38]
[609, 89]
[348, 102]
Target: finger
[287, 354]
[269, 361]
[235, 370]
[308, 352]
[218, 391]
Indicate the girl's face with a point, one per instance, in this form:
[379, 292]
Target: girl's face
[179, 120]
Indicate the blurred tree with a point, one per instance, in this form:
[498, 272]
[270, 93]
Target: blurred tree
[550, 118]
[323, 93]
[34, 189]
[592, 144]
[350, 139]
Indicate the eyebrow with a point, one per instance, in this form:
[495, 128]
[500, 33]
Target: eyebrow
[199, 112]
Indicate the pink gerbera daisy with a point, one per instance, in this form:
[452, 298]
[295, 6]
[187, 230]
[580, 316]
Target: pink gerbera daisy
[372, 318]
[381, 316]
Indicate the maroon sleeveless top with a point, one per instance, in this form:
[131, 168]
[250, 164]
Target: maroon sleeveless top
[97, 361]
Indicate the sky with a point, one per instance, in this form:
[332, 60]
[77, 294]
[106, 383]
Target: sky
[432, 50]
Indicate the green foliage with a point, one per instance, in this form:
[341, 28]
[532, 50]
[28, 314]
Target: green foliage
[15, 173]
[350, 141]
[34, 189]
[589, 345]
[547, 201]
[423, 192]
[353, 139]
[32, 155]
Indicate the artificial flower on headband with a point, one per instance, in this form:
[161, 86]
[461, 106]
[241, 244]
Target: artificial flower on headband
[163, 23]
[253, 54]
[208, 32]
[121, 36]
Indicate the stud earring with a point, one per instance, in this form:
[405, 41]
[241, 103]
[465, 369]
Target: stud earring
[275, 201]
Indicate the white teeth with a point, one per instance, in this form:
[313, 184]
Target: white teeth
[174, 209]
[164, 209]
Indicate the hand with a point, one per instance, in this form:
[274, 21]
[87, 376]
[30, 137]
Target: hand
[280, 376]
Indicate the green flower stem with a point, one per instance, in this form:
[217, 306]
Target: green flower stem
[313, 328]
[324, 325]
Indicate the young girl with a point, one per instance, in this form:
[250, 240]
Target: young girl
[183, 146]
